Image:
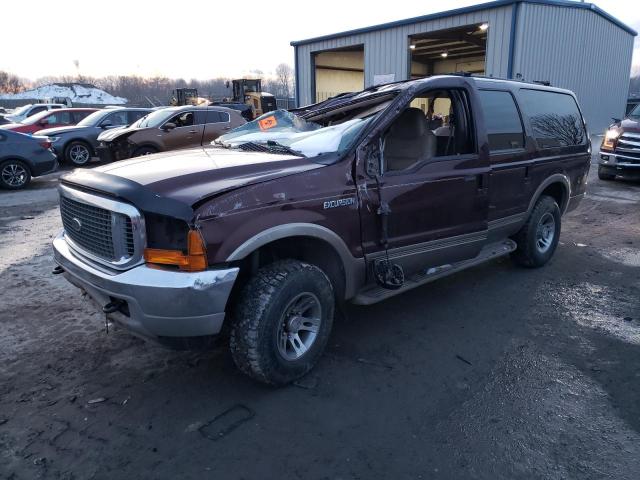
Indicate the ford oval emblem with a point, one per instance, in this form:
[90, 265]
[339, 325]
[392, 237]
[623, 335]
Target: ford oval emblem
[76, 224]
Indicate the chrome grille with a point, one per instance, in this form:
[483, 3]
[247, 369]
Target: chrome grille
[628, 147]
[102, 229]
[88, 226]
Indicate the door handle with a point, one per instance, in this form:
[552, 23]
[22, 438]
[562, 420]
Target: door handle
[227, 128]
[193, 131]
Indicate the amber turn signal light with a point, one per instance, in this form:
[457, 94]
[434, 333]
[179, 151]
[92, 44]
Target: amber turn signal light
[194, 261]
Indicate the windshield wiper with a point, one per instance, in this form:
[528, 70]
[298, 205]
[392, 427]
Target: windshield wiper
[271, 147]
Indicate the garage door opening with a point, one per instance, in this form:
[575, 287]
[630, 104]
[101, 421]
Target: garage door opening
[338, 71]
[461, 49]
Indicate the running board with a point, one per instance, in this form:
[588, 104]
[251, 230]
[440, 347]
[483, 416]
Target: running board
[374, 294]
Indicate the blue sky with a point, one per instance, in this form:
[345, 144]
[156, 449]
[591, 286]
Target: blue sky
[198, 38]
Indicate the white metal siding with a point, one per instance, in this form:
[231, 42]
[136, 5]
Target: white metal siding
[579, 50]
[387, 50]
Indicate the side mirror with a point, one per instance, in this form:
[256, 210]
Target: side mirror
[616, 120]
[168, 126]
[106, 125]
[43, 123]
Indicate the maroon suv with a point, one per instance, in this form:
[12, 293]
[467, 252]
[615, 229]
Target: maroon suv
[358, 198]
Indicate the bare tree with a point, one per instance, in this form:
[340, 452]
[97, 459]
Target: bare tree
[284, 80]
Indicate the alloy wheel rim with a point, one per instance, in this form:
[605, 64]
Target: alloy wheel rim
[14, 175]
[299, 326]
[545, 232]
[79, 154]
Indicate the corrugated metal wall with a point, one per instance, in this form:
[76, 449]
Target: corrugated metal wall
[386, 51]
[579, 50]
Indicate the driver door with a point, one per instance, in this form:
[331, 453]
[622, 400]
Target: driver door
[187, 132]
[435, 188]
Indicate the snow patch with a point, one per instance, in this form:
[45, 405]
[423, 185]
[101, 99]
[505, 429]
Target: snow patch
[78, 93]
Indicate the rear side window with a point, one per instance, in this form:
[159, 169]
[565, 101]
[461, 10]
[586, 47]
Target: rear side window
[214, 116]
[135, 115]
[555, 118]
[36, 110]
[502, 120]
[80, 115]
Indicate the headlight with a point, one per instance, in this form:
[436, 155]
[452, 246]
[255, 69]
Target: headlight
[54, 139]
[610, 138]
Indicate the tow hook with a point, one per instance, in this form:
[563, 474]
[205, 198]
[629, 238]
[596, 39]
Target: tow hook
[113, 306]
[57, 270]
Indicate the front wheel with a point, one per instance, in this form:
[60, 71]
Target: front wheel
[14, 174]
[538, 238]
[78, 153]
[282, 322]
[604, 175]
[144, 151]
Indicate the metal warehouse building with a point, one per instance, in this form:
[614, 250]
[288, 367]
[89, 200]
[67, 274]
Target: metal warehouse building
[569, 44]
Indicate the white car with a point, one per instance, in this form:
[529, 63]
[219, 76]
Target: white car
[19, 114]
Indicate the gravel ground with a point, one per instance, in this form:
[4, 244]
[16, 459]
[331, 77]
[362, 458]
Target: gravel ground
[496, 372]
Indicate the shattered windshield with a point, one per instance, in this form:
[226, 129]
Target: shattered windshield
[284, 132]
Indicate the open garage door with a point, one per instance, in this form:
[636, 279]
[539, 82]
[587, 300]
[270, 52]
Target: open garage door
[461, 49]
[338, 71]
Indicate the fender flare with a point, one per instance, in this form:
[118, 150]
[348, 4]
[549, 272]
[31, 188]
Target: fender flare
[353, 267]
[560, 178]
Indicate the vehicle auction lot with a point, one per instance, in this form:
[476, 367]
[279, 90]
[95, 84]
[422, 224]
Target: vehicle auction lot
[496, 372]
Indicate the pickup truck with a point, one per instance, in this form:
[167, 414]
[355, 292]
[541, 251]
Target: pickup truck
[620, 149]
[261, 237]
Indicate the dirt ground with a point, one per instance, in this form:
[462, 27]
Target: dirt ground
[494, 373]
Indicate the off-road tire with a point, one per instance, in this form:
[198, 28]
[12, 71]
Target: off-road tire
[257, 317]
[603, 175]
[528, 254]
[139, 152]
[8, 179]
[74, 158]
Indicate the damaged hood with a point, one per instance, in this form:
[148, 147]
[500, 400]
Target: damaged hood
[189, 176]
[113, 133]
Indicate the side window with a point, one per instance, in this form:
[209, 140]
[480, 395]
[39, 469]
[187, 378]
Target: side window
[183, 119]
[213, 116]
[436, 124]
[55, 107]
[135, 115]
[555, 118]
[502, 120]
[35, 110]
[116, 118]
[58, 118]
[80, 115]
[201, 117]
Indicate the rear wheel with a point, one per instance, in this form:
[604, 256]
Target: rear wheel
[139, 152]
[78, 153]
[14, 174]
[538, 238]
[282, 322]
[603, 174]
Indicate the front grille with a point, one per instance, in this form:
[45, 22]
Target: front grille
[628, 148]
[99, 231]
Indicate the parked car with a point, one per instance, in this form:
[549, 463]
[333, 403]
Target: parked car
[352, 199]
[26, 111]
[23, 157]
[57, 118]
[77, 144]
[620, 149]
[168, 129]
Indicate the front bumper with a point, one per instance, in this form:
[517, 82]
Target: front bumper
[159, 303]
[616, 163]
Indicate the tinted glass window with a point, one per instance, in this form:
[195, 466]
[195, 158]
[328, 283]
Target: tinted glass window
[80, 115]
[59, 118]
[116, 118]
[214, 116]
[136, 115]
[502, 120]
[201, 117]
[36, 110]
[555, 118]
